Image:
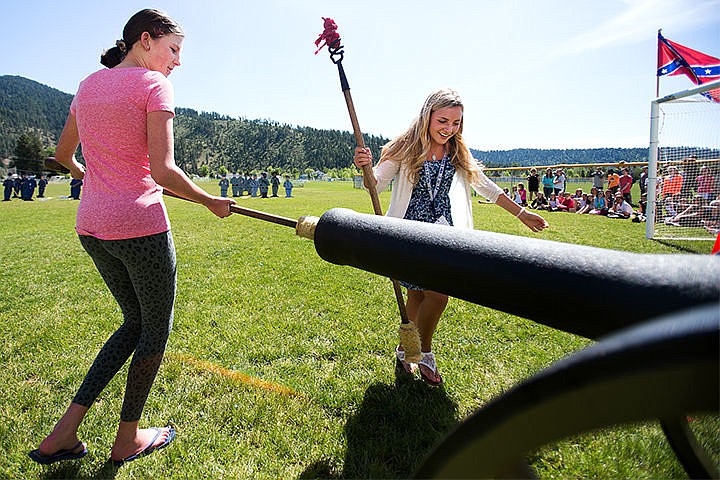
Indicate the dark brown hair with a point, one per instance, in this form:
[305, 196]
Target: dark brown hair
[155, 22]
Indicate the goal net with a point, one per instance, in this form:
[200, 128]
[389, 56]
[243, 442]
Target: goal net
[683, 201]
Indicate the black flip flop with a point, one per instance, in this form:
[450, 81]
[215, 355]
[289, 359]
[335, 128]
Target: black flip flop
[60, 455]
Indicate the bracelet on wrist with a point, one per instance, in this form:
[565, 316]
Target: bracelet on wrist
[522, 210]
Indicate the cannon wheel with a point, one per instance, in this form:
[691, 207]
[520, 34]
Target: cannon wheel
[691, 455]
[662, 369]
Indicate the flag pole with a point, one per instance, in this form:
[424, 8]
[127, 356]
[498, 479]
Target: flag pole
[657, 77]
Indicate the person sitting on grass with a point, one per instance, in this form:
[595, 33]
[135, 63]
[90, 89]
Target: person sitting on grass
[553, 203]
[566, 203]
[599, 206]
[620, 208]
[523, 194]
[587, 203]
[712, 224]
[580, 200]
[609, 201]
[693, 215]
[540, 202]
[670, 187]
[639, 215]
[516, 195]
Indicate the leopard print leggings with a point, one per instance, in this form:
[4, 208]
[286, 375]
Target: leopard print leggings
[141, 275]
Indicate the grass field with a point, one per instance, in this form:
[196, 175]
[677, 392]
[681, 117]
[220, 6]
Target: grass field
[280, 365]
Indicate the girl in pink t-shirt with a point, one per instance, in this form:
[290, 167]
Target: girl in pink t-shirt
[122, 116]
[523, 194]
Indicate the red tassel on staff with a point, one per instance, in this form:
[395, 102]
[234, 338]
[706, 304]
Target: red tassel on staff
[329, 35]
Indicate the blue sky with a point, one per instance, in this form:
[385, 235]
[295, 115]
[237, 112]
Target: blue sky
[532, 73]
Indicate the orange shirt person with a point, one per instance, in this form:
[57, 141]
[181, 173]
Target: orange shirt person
[672, 183]
[613, 181]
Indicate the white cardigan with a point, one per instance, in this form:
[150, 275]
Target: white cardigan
[460, 199]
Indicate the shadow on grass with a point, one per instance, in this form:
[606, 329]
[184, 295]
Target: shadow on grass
[392, 431]
[72, 470]
[688, 247]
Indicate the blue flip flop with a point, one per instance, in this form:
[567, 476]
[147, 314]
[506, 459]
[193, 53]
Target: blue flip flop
[60, 455]
[150, 448]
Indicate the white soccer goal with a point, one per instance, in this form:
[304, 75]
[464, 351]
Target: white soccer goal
[684, 163]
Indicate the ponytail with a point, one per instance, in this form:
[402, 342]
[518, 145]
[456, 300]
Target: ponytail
[115, 55]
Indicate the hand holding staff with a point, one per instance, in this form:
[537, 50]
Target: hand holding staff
[76, 170]
[409, 336]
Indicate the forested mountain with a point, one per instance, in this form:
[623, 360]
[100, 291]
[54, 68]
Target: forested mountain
[206, 142]
[527, 156]
[246, 145]
[29, 105]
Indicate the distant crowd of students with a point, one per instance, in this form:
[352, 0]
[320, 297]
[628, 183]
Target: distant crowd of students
[687, 194]
[614, 202]
[23, 187]
[251, 185]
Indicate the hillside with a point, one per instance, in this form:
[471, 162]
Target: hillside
[207, 141]
[526, 156]
[26, 104]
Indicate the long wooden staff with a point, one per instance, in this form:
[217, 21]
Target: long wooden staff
[248, 212]
[409, 335]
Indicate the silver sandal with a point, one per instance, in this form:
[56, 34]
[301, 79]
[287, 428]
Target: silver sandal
[429, 371]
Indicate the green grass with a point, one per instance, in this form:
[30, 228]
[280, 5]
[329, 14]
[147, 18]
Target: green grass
[255, 300]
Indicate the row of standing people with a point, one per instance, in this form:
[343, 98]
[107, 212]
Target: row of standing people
[251, 184]
[23, 187]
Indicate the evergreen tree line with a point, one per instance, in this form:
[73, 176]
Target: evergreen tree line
[214, 143]
[207, 143]
[521, 157]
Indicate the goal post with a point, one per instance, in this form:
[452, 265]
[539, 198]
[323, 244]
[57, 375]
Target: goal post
[684, 165]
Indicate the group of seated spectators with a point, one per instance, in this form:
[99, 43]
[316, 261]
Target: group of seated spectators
[615, 202]
[687, 195]
[597, 202]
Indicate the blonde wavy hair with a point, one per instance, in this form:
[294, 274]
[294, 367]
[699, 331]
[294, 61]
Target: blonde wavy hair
[413, 146]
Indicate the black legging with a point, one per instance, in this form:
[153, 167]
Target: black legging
[141, 275]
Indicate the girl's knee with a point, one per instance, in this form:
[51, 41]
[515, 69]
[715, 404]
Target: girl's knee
[437, 297]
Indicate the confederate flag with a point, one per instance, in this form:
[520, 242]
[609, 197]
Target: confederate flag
[676, 59]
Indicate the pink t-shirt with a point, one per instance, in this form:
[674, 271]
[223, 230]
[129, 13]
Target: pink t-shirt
[120, 199]
[705, 184]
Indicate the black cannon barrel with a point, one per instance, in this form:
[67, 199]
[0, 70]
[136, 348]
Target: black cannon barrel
[583, 290]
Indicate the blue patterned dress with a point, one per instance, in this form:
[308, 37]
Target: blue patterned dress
[430, 200]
